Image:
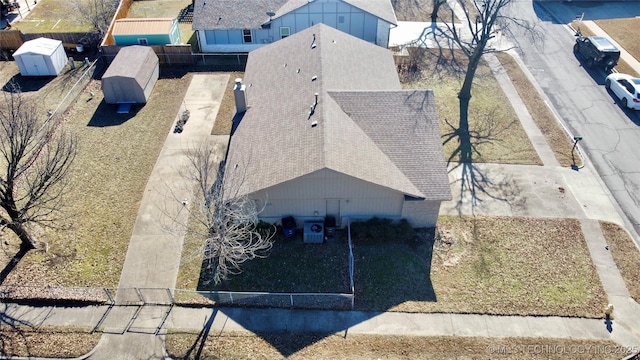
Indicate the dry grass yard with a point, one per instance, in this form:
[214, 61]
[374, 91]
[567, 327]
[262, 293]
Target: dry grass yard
[502, 138]
[115, 157]
[360, 347]
[53, 16]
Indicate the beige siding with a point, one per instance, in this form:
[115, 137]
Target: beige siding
[307, 196]
[421, 213]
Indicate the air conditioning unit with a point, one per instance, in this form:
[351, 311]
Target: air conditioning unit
[313, 232]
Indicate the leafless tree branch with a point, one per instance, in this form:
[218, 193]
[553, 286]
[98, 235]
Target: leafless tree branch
[36, 156]
[223, 218]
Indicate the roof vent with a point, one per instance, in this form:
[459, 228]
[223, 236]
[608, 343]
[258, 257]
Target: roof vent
[314, 78]
[314, 123]
[313, 46]
[298, 71]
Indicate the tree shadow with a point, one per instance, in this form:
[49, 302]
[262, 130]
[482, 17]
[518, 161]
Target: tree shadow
[13, 341]
[474, 183]
[23, 250]
[195, 350]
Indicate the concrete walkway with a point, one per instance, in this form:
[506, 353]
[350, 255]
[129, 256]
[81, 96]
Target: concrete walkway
[153, 257]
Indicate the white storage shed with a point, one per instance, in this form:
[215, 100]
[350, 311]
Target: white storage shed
[41, 57]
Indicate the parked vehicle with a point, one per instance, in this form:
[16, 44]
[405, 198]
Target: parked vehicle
[7, 6]
[626, 88]
[597, 51]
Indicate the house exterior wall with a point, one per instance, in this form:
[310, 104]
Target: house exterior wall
[336, 14]
[421, 213]
[306, 198]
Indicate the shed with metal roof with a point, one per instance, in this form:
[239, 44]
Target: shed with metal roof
[146, 31]
[131, 76]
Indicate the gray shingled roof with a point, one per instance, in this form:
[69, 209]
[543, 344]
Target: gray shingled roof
[367, 126]
[233, 14]
[137, 62]
[404, 125]
[251, 14]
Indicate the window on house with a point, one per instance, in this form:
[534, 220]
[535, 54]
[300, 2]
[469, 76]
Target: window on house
[284, 32]
[143, 41]
[246, 36]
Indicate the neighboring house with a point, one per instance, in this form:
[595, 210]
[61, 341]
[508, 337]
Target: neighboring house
[146, 31]
[245, 25]
[328, 131]
[131, 76]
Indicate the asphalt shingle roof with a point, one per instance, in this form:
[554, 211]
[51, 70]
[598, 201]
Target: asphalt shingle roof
[251, 14]
[367, 126]
[136, 62]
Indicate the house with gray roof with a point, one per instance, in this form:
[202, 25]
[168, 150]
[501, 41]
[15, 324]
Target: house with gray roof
[245, 25]
[327, 130]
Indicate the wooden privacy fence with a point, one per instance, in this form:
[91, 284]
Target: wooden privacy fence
[13, 39]
[10, 39]
[167, 54]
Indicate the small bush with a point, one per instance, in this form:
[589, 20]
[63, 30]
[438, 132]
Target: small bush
[378, 231]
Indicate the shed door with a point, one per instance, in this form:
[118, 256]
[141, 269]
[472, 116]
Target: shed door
[333, 209]
[35, 65]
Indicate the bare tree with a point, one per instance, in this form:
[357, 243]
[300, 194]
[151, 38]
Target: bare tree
[36, 155]
[223, 219]
[436, 7]
[98, 13]
[483, 22]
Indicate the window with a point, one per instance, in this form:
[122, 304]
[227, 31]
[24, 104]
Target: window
[246, 36]
[284, 32]
[341, 19]
[143, 41]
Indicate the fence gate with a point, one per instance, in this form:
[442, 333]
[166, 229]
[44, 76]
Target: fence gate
[141, 310]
